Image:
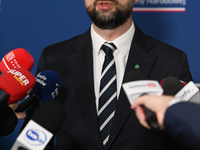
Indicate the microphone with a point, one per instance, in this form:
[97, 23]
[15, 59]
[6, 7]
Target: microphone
[8, 120]
[47, 87]
[15, 84]
[17, 58]
[171, 85]
[46, 122]
[185, 92]
[135, 85]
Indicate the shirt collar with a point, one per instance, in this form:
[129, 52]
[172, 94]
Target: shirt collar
[122, 43]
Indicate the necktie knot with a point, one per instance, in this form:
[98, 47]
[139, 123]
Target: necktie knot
[108, 48]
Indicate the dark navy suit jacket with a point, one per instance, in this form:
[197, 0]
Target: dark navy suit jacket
[73, 61]
[182, 121]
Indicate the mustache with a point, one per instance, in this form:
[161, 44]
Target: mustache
[97, 1]
[105, 0]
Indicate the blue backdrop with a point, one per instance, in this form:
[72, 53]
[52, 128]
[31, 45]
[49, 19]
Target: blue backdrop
[34, 24]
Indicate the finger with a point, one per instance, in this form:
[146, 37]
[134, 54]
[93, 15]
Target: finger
[21, 115]
[141, 117]
[139, 101]
[13, 106]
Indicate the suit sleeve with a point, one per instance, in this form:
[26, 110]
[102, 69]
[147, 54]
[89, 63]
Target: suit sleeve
[42, 65]
[183, 71]
[183, 123]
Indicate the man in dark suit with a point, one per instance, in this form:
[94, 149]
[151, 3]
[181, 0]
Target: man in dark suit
[180, 119]
[79, 60]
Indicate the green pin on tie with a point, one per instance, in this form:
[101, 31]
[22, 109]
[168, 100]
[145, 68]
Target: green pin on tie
[137, 66]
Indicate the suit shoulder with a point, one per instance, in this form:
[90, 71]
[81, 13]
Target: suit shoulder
[153, 45]
[62, 44]
[164, 48]
[71, 43]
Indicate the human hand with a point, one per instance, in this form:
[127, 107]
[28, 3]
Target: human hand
[20, 115]
[157, 104]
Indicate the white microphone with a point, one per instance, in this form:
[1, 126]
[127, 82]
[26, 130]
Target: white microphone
[184, 92]
[190, 92]
[135, 89]
[45, 123]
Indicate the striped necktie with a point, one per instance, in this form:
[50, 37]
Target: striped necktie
[108, 92]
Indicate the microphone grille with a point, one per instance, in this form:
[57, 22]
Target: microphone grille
[134, 76]
[171, 86]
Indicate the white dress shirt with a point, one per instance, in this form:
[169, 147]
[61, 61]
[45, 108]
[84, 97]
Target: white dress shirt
[123, 44]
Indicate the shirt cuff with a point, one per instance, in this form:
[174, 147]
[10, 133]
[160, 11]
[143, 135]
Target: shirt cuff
[174, 101]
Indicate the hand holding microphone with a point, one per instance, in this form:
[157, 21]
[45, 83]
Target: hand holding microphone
[180, 120]
[136, 85]
[157, 104]
[174, 91]
[15, 84]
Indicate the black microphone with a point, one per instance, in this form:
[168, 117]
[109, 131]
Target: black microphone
[135, 85]
[8, 120]
[46, 122]
[171, 85]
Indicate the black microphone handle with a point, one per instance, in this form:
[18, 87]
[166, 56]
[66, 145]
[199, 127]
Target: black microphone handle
[150, 117]
[21, 148]
[4, 96]
[27, 102]
[8, 120]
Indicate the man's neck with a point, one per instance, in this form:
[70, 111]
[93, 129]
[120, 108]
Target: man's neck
[111, 35]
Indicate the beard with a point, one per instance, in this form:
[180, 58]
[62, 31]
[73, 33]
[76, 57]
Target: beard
[110, 20]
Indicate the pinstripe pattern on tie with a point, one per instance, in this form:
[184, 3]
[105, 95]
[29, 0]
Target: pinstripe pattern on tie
[108, 92]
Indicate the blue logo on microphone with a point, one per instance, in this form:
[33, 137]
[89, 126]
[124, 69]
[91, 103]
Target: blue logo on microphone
[35, 137]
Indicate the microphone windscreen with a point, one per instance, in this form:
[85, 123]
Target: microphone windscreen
[171, 85]
[17, 83]
[47, 85]
[134, 75]
[50, 116]
[8, 120]
[17, 58]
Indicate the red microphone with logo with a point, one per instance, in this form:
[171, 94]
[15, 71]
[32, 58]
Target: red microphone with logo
[15, 84]
[17, 58]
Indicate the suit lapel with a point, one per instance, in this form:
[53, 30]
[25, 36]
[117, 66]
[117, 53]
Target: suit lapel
[81, 67]
[139, 56]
